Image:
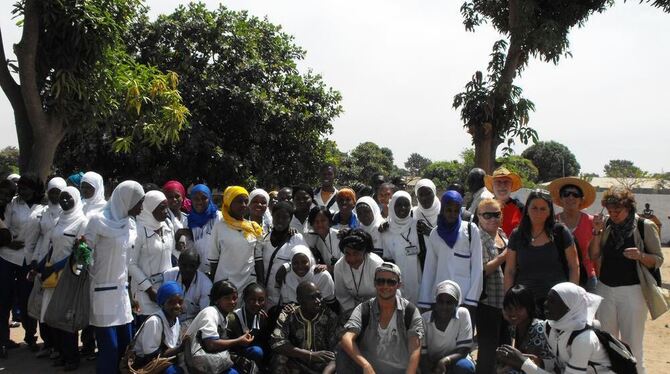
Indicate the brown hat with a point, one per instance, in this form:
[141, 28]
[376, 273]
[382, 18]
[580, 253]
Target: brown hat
[586, 188]
[502, 172]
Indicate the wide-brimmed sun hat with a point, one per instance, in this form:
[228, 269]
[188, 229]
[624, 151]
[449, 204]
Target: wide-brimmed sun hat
[503, 172]
[587, 190]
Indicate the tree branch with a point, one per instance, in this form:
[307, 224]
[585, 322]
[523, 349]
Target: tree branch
[26, 53]
[7, 82]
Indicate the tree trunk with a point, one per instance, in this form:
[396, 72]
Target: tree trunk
[483, 138]
[44, 149]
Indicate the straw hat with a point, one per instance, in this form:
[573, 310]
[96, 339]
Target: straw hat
[587, 189]
[502, 172]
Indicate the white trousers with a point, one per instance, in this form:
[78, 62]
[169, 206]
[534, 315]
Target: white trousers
[623, 313]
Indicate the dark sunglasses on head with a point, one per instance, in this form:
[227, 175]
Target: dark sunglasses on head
[387, 281]
[574, 194]
[489, 215]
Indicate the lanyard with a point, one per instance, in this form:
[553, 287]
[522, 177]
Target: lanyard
[360, 277]
[427, 221]
[407, 238]
[330, 245]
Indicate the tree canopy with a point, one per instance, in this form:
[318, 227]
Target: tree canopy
[552, 160]
[252, 112]
[363, 162]
[9, 161]
[416, 163]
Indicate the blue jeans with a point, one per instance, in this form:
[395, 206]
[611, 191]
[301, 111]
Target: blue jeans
[463, 366]
[112, 342]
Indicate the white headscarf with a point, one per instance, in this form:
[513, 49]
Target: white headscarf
[151, 200]
[376, 213]
[431, 213]
[115, 214]
[581, 304]
[55, 209]
[75, 215]
[267, 216]
[293, 280]
[450, 288]
[399, 225]
[98, 199]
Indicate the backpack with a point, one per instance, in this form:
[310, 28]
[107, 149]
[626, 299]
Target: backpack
[366, 307]
[621, 358]
[655, 272]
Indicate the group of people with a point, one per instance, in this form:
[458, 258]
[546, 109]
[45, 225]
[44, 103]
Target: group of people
[304, 280]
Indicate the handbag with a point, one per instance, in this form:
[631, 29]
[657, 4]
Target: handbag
[199, 361]
[35, 300]
[157, 365]
[70, 304]
[52, 279]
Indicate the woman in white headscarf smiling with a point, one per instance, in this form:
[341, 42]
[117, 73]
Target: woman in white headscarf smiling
[151, 255]
[71, 225]
[370, 218]
[111, 234]
[258, 209]
[93, 192]
[401, 244]
[302, 270]
[570, 311]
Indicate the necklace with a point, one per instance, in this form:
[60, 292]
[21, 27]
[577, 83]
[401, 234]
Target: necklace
[533, 237]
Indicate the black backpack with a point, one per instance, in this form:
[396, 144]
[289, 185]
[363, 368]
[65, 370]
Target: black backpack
[621, 358]
[366, 307]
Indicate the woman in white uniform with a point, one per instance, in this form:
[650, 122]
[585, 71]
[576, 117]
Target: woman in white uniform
[322, 239]
[231, 254]
[93, 192]
[258, 209]
[370, 218]
[201, 221]
[151, 254]
[71, 225]
[401, 244]
[111, 235]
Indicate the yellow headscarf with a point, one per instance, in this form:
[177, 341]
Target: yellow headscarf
[246, 226]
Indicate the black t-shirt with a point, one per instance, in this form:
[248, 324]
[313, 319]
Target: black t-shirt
[539, 268]
[617, 270]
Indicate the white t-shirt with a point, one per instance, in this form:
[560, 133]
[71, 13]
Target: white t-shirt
[403, 249]
[156, 329]
[211, 324]
[353, 286]
[388, 337]
[234, 253]
[202, 239]
[284, 255]
[328, 247]
[196, 297]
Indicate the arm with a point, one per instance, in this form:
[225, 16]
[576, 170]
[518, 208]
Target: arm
[573, 263]
[595, 244]
[220, 345]
[143, 282]
[495, 263]
[351, 348]
[476, 269]
[510, 269]
[341, 293]
[652, 256]
[414, 345]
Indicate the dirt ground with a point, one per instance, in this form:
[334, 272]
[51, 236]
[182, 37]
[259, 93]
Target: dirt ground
[656, 346]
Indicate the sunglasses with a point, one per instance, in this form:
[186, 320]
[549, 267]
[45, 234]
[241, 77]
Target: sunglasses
[490, 215]
[574, 194]
[386, 281]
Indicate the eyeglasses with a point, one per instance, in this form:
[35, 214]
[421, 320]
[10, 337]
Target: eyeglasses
[574, 194]
[386, 281]
[490, 215]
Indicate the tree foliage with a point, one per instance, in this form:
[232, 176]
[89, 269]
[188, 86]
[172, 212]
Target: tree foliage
[74, 74]
[492, 108]
[252, 112]
[9, 161]
[416, 163]
[364, 161]
[552, 159]
[522, 166]
[625, 172]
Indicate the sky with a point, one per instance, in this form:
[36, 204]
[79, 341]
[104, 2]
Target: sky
[399, 64]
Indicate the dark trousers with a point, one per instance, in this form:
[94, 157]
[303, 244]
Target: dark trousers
[88, 339]
[112, 342]
[47, 335]
[67, 345]
[13, 283]
[491, 333]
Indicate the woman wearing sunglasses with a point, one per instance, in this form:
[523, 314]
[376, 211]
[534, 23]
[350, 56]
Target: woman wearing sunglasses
[489, 311]
[541, 251]
[574, 195]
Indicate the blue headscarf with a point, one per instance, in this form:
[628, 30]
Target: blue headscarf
[167, 290]
[196, 219]
[75, 179]
[449, 232]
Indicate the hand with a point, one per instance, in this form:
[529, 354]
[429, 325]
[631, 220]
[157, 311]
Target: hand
[263, 313]
[384, 226]
[31, 275]
[423, 228]
[368, 369]
[280, 276]
[245, 339]
[511, 356]
[289, 308]
[632, 253]
[16, 245]
[292, 231]
[152, 294]
[323, 356]
[442, 366]
[536, 360]
[320, 268]
[598, 222]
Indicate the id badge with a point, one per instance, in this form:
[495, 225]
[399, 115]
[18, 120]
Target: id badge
[156, 279]
[411, 250]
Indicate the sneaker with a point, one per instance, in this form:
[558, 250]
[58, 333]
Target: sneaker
[14, 324]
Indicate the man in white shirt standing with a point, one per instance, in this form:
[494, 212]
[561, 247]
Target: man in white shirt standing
[326, 194]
